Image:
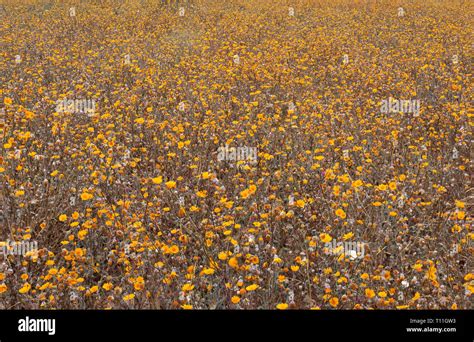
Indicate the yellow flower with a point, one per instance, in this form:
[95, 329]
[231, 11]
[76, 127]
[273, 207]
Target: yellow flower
[431, 274]
[357, 183]
[187, 307]
[325, 237]
[208, 271]
[129, 297]
[334, 302]
[282, 306]
[187, 287]
[29, 114]
[235, 299]
[392, 186]
[252, 287]
[82, 234]
[202, 193]
[245, 193]
[341, 213]
[171, 184]
[173, 249]
[205, 175]
[62, 217]
[222, 255]
[26, 287]
[93, 289]
[3, 288]
[157, 180]
[295, 268]
[300, 203]
[107, 286]
[79, 252]
[85, 196]
[369, 293]
[347, 236]
[140, 120]
[344, 178]
[467, 277]
[382, 187]
[7, 101]
[328, 270]
[233, 262]
[249, 191]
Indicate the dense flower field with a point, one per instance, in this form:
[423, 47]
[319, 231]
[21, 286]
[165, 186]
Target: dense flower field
[236, 154]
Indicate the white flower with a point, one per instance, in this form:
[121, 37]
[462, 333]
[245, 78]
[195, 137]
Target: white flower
[352, 254]
[291, 200]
